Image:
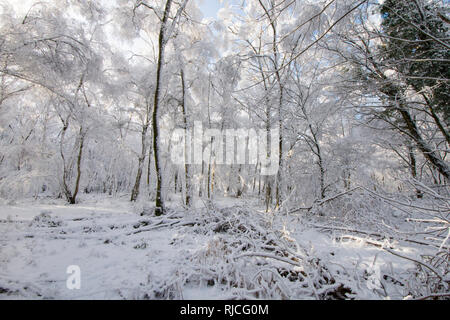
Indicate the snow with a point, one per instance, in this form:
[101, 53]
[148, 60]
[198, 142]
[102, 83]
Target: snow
[40, 239]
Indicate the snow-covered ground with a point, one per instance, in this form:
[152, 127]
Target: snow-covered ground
[214, 252]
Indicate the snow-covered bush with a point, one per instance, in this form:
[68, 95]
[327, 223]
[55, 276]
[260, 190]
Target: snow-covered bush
[45, 219]
[250, 257]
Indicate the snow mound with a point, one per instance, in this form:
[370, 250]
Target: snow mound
[45, 219]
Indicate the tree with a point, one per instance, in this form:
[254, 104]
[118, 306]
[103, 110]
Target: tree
[378, 70]
[415, 45]
[59, 60]
[142, 90]
[165, 32]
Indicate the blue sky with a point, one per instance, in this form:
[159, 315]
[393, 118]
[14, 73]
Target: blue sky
[210, 8]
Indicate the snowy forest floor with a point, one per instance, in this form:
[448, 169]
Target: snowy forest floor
[229, 250]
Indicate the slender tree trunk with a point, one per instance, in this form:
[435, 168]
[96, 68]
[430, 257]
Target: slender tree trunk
[254, 179]
[437, 120]
[413, 168]
[211, 141]
[202, 181]
[65, 187]
[187, 172]
[71, 197]
[159, 201]
[213, 176]
[176, 181]
[77, 181]
[267, 181]
[347, 179]
[209, 174]
[241, 183]
[269, 12]
[259, 180]
[322, 174]
[136, 188]
[280, 164]
[149, 165]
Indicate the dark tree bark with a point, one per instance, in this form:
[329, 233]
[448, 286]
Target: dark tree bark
[141, 159]
[187, 173]
[162, 41]
[428, 153]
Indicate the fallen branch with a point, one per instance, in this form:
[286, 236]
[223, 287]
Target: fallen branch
[399, 202]
[157, 226]
[265, 255]
[418, 262]
[323, 201]
[368, 241]
[377, 235]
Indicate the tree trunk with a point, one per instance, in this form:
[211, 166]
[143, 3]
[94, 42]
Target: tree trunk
[159, 201]
[71, 197]
[428, 153]
[187, 173]
[413, 168]
[136, 188]
[436, 119]
[77, 181]
[149, 165]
